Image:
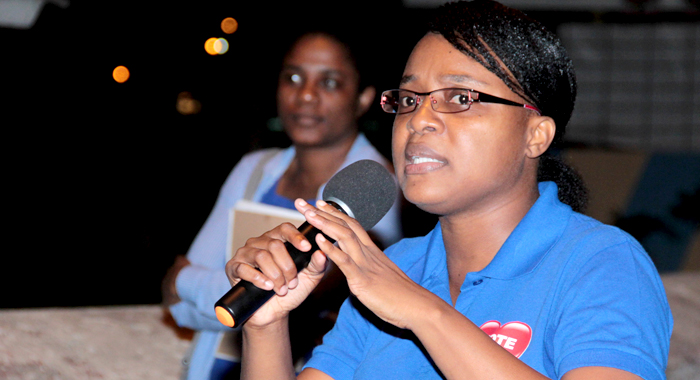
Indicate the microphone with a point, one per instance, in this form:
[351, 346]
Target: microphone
[363, 190]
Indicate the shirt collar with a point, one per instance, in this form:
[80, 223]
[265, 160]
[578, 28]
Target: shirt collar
[533, 237]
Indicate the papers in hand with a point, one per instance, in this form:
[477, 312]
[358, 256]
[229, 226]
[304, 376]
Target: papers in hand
[249, 219]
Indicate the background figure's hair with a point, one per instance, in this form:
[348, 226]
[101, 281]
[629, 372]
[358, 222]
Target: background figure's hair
[531, 61]
[358, 55]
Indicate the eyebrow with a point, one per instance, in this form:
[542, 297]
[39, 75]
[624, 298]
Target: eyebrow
[331, 72]
[456, 78]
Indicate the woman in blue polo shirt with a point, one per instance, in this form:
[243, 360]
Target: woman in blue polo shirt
[513, 282]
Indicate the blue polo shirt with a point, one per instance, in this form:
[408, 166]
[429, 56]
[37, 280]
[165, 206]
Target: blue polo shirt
[564, 291]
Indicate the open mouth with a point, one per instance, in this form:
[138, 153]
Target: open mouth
[422, 160]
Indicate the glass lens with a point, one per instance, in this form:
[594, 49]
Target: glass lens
[398, 101]
[407, 101]
[389, 101]
[452, 100]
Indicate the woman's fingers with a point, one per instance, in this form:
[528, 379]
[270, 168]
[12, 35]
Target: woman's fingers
[337, 215]
[265, 262]
[339, 257]
[237, 271]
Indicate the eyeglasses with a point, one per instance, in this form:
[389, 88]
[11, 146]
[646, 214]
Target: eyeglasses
[444, 100]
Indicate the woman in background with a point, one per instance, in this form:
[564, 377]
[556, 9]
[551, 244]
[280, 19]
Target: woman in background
[513, 282]
[321, 95]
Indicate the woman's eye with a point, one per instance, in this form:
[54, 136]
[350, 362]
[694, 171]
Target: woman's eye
[295, 78]
[407, 101]
[292, 78]
[330, 84]
[460, 98]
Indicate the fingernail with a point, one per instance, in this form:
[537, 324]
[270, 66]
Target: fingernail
[269, 284]
[301, 202]
[321, 202]
[305, 245]
[293, 284]
[283, 290]
[321, 237]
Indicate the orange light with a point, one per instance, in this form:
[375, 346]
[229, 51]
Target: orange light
[209, 46]
[120, 74]
[229, 25]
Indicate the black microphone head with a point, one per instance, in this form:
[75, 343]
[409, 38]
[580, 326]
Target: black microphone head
[364, 189]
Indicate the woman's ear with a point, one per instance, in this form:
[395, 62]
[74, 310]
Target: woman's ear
[365, 100]
[542, 130]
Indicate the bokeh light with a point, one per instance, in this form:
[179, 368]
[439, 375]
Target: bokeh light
[187, 105]
[120, 74]
[229, 25]
[216, 46]
[209, 46]
[221, 46]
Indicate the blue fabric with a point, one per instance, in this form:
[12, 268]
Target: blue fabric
[588, 292]
[272, 198]
[202, 283]
[225, 369]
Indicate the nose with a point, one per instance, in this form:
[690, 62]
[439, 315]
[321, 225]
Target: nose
[424, 119]
[308, 93]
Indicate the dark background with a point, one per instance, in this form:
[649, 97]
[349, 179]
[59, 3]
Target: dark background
[107, 182]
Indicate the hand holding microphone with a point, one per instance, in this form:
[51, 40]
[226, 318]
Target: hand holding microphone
[364, 190]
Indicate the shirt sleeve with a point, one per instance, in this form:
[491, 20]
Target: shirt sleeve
[344, 346]
[202, 283]
[614, 313]
[199, 289]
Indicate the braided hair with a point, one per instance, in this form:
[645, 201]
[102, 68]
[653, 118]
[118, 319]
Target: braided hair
[531, 61]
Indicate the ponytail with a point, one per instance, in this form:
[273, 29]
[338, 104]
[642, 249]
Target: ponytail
[572, 189]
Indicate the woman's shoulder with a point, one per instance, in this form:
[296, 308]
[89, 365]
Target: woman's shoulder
[588, 242]
[595, 234]
[408, 252]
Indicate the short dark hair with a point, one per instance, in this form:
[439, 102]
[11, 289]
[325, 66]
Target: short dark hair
[358, 56]
[527, 57]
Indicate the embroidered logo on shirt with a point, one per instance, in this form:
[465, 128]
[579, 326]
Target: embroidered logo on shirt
[513, 336]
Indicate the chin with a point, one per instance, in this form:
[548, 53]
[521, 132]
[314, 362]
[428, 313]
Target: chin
[427, 202]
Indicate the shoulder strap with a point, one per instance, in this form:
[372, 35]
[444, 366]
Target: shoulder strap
[256, 177]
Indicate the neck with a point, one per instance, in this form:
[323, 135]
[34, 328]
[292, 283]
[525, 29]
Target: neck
[311, 168]
[473, 238]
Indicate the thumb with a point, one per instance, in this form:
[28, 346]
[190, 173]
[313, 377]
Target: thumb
[318, 264]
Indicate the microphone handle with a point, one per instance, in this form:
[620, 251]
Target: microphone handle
[244, 299]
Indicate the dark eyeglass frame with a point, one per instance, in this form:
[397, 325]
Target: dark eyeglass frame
[473, 96]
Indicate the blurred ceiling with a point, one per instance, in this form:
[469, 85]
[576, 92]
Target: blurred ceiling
[22, 14]
[573, 5]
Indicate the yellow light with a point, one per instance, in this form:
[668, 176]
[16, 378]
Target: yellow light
[229, 25]
[221, 46]
[209, 46]
[120, 74]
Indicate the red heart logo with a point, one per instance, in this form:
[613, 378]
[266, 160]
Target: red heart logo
[513, 336]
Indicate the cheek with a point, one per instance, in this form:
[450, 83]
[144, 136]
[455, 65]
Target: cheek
[340, 106]
[399, 137]
[285, 97]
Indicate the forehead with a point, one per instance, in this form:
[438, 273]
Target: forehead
[318, 51]
[435, 62]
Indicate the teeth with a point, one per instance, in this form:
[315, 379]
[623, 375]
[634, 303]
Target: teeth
[421, 160]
